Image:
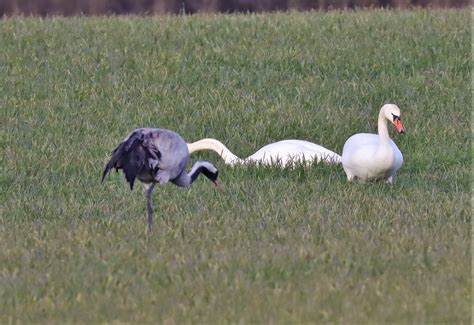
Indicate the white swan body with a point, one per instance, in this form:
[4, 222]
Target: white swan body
[368, 156]
[285, 153]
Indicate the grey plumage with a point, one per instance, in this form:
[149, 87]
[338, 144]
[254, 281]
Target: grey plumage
[156, 156]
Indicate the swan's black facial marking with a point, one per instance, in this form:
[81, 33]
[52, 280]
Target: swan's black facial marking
[398, 123]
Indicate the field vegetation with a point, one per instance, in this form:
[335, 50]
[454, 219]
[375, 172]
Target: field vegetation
[299, 245]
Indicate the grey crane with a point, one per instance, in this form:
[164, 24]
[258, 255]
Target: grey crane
[157, 156]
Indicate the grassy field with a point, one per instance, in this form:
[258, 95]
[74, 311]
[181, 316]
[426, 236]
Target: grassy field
[280, 246]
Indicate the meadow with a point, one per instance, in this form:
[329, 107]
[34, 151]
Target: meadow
[278, 246]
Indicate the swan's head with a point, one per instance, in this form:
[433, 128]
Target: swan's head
[392, 113]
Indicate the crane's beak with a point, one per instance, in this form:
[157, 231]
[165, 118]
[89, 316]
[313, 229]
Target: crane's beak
[399, 126]
[218, 185]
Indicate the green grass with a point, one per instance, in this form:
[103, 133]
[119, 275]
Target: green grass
[279, 246]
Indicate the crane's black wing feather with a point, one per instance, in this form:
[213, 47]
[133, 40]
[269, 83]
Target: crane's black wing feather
[133, 156]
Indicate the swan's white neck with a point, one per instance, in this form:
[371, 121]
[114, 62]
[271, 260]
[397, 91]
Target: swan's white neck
[218, 147]
[384, 154]
[382, 128]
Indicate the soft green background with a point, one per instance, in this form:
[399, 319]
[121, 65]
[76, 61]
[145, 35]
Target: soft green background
[279, 245]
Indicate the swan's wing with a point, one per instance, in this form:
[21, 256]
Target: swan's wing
[359, 149]
[289, 151]
[398, 157]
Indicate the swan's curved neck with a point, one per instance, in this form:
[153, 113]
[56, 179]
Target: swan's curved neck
[217, 146]
[382, 127]
[384, 154]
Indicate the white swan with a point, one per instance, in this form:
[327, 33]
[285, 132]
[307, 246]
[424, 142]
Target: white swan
[285, 153]
[368, 156]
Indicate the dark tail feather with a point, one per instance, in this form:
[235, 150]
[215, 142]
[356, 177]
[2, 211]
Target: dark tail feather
[116, 153]
[108, 167]
[129, 156]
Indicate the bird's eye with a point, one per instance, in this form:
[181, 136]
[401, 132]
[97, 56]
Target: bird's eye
[395, 117]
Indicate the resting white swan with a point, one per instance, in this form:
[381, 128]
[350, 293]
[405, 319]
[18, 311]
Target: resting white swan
[283, 153]
[368, 156]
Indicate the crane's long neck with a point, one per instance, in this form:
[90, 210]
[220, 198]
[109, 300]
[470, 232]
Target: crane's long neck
[204, 167]
[218, 147]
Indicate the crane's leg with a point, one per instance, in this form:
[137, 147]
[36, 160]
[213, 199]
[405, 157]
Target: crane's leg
[149, 208]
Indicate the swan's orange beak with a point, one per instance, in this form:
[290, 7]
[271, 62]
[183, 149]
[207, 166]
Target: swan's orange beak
[218, 185]
[398, 125]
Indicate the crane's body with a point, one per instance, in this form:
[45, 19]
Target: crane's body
[156, 156]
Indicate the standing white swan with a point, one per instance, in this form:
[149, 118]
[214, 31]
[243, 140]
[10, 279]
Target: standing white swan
[368, 156]
[283, 153]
